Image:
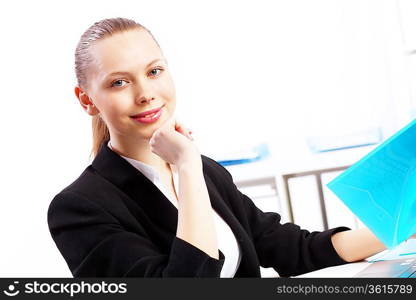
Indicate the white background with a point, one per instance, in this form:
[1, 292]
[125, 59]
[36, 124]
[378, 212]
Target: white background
[245, 72]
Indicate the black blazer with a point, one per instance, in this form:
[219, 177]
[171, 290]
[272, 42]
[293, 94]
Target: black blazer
[112, 221]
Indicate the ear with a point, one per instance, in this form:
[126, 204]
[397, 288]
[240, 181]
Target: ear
[86, 102]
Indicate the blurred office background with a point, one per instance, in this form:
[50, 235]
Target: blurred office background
[318, 83]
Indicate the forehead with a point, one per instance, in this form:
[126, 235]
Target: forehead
[124, 51]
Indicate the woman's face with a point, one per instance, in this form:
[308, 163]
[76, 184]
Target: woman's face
[128, 76]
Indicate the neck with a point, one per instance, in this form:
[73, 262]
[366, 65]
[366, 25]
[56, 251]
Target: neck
[139, 150]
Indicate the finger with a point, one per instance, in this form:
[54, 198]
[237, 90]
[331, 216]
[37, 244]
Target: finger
[190, 135]
[182, 129]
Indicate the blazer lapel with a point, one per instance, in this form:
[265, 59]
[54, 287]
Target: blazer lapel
[137, 186]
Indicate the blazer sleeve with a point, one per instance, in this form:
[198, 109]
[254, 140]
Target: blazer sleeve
[287, 248]
[94, 244]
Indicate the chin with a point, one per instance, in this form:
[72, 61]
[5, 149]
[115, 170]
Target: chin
[149, 133]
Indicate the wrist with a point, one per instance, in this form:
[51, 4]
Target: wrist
[190, 164]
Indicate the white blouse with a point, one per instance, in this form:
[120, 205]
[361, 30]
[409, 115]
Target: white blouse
[227, 242]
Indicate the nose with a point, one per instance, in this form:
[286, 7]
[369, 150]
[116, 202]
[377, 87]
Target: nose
[145, 99]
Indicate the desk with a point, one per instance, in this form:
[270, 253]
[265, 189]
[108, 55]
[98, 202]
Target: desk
[347, 270]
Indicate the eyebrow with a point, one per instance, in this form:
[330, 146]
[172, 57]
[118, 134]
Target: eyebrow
[124, 73]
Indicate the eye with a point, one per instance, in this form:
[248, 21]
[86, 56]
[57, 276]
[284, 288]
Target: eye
[118, 82]
[153, 73]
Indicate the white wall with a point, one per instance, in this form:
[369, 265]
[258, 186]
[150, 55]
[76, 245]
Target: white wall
[271, 67]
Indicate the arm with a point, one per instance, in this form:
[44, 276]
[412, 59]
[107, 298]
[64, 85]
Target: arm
[286, 247]
[195, 216]
[195, 219]
[289, 249]
[355, 245]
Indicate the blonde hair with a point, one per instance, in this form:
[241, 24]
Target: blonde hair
[83, 60]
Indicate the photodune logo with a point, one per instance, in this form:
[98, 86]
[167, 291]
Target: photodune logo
[11, 290]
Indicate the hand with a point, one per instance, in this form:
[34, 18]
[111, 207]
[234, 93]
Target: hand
[180, 128]
[174, 143]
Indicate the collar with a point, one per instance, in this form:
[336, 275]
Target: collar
[147, 170]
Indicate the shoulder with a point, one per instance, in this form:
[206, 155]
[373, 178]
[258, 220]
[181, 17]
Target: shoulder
[215, 169]
[88, 180]
[219, 177]
[81, 194]
[70, 209]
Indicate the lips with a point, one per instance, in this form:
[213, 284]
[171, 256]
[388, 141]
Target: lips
[148, 112]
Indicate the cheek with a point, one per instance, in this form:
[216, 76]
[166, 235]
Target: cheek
[171, 104]
[167, 87]
[172, 88]
[115, 116]
[118, 104]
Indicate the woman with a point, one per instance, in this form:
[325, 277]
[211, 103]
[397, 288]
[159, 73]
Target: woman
[150, 205]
